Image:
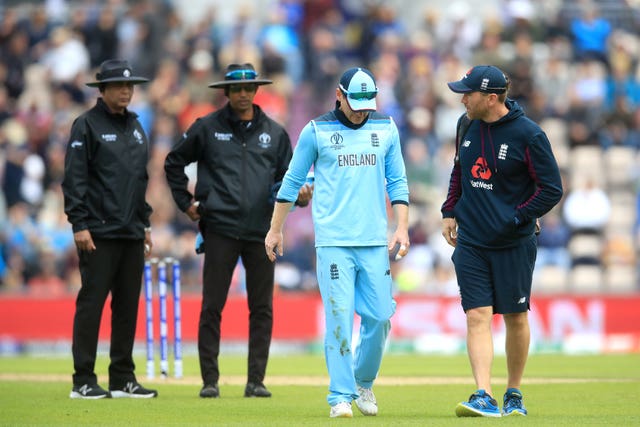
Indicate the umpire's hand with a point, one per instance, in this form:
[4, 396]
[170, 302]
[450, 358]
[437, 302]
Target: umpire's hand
[192, 211]
[84, 241]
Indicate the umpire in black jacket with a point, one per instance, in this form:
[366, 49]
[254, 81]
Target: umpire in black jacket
[242, 155]
[104, 190]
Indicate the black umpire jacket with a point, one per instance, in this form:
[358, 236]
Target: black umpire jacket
[105, 179]
[238, 165]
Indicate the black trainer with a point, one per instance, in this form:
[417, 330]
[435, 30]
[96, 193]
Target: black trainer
[135, 390]
[256, 390]
[89, 391]
[209, 391]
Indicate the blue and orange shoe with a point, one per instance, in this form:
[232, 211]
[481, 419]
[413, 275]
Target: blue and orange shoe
[480, 404]
[513, 403]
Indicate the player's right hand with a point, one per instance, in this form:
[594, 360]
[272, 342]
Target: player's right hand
[450, 231]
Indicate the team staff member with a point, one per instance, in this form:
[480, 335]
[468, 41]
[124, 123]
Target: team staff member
[357, 160]
[104, 188]
[505, 177]
[242, 154]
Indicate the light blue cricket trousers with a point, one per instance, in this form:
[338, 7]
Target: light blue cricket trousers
[354, 279]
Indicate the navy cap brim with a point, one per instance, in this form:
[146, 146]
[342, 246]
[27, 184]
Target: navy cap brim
[133, 80]
[459, 87]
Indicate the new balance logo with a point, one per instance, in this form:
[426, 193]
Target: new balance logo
[522, 300]
[131, 387]
[85, 389]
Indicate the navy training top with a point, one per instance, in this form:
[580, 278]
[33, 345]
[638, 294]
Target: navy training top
[506, 177]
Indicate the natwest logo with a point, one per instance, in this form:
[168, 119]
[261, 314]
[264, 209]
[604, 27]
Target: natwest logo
[480, 170]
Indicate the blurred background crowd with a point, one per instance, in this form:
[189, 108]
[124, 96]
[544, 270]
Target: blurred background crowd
[574, 66]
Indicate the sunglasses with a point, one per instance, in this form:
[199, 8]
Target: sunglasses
[241, 75]
[240, 88]
[359, 96]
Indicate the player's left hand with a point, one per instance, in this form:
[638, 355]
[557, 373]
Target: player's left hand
[273, 245]
[304, 195]
[400, 244]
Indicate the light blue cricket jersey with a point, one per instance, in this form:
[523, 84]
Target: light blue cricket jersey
[352, 168]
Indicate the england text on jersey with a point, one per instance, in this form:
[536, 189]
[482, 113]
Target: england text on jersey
[357, 160]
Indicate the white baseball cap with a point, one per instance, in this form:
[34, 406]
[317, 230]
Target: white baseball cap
[359, 88]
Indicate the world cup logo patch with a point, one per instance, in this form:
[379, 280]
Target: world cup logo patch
[264, 140]
[336, 141]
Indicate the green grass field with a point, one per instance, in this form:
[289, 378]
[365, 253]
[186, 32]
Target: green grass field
[411, 390]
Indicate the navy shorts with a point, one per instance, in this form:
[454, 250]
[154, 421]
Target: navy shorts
[500, 278]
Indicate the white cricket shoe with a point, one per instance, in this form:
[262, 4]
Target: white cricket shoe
[341, 410]
[366, 402]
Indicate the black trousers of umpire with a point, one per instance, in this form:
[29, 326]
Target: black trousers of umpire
[114, 267]
[220, 259]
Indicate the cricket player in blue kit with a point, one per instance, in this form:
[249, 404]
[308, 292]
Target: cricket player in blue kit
[504, 177]
[356, 156]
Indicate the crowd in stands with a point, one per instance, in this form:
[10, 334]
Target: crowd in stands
[574, 66]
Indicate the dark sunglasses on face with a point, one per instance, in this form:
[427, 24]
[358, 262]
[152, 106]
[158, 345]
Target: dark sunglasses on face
[238, 88]
[241, 75]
